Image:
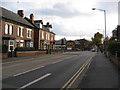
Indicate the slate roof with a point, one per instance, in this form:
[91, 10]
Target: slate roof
[9, 15]
[35, 25]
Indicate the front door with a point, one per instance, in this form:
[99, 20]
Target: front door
[11, 45]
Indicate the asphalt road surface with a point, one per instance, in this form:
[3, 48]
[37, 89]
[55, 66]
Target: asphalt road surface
[48, 71]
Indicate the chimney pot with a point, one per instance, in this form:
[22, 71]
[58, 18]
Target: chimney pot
[47, 24]
[21, 13]
[32, 17]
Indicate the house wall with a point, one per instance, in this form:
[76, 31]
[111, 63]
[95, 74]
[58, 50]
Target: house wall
[36, 39]
[14, 35]
[45, 40]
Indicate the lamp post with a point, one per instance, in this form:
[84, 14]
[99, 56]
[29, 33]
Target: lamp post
[105, 25]
[104, 17]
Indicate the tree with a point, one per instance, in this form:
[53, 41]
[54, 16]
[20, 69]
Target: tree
[97, 39]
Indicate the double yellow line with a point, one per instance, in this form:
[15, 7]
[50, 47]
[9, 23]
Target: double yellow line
[70, 82]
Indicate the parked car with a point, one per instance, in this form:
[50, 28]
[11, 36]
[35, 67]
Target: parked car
[93, 50]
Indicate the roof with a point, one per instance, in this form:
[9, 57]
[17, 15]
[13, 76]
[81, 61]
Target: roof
[39, 21]
[45, 28]
[36, 26]
[9, 15]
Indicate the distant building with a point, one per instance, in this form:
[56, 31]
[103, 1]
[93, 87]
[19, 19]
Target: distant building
[60, 44]
[70, 45]
[82, 44]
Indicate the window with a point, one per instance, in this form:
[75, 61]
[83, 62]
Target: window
[5, 42]
[48, 36]
[11, 30]
[29, 44]
[20, 32]
[29, 33]
[42, 35]
[45, 46]
[6, 28]
[18, 44]
[40, 25]
[42, 46]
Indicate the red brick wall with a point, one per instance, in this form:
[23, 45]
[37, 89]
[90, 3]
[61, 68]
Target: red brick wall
[30, 53]
[3, 55]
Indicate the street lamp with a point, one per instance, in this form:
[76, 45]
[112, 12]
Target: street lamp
[104, 17]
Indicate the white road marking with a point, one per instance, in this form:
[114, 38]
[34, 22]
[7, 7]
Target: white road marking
[56, 61]
[46, 75]
[28, 71]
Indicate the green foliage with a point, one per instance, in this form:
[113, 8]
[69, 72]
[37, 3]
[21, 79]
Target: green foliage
[113, 46]
[3, 48]
[25, 49]
[42, 50]
[97, 39]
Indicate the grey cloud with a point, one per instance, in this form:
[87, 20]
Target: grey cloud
[62, 10]
[119, 13]
[110, 7]
[12, 6]
[58, 28]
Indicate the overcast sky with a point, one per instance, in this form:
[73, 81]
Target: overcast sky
[72, 19]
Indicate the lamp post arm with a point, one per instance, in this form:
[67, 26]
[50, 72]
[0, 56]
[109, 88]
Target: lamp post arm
[105, 22]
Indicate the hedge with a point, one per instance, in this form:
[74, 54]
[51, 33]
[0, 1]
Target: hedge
[42, 50]
[24, 49]
[114, 46]
[3, 48]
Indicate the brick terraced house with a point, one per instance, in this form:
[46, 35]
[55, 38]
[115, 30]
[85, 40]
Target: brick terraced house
[44, 37]
[16, 31]
[19, 31]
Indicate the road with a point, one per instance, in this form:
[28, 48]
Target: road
[47, 71]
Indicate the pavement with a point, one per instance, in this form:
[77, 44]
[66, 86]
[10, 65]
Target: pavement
[102, 73]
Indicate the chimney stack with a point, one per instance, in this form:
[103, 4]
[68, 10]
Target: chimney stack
[21, 13]
[32, 17]
[47, 24]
